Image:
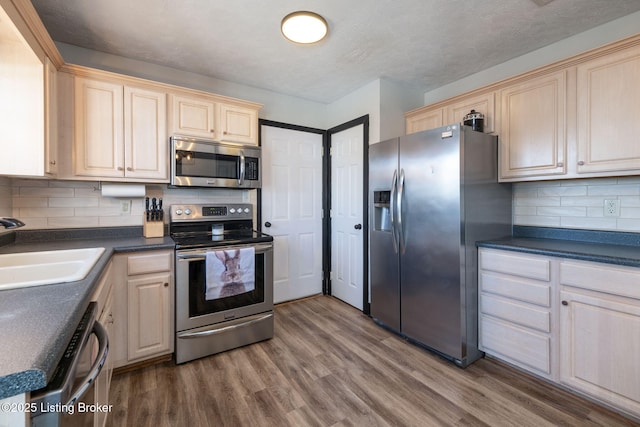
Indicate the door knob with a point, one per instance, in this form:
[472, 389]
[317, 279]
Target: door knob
[358, 226]
[267, 224]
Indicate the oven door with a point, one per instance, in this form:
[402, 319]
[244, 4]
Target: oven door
[194, 310]
[214, 164]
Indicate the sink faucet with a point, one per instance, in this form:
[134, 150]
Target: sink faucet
[11, 222]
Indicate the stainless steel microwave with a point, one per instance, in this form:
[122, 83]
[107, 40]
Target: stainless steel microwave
[202, 163]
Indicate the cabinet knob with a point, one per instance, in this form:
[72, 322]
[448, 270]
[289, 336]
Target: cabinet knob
[565, 302]
[52, 162]
[166, 284]
[212, 130]
[225, 132]
[130, 169]
[560, 164]
[581, 163]
[120, 168]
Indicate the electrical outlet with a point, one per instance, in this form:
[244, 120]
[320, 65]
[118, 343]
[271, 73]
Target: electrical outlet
[125, 207]
[612, 207]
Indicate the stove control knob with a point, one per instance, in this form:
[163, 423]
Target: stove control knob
[246, 210]
[232, 210]
[178, 211]
[187, 211]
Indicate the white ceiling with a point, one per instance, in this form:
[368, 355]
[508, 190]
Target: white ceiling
[423, 43]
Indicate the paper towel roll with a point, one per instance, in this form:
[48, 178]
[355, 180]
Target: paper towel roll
[123, 190]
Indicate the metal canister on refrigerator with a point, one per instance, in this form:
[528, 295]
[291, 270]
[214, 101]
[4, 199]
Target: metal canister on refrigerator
[475, 120]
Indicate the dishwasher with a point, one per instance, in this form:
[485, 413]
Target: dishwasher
[69, 397]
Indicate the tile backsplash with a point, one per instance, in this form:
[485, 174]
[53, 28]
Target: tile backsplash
[563, 203]
[578, 203]
[76, 204]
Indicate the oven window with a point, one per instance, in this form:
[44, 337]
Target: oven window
[206, 165]
[199, 305]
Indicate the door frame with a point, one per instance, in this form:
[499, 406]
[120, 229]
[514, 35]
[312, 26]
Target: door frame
[326, 201]
[364, 121]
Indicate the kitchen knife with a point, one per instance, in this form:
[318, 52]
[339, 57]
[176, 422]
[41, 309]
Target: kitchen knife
[160, 211]
[146, 207]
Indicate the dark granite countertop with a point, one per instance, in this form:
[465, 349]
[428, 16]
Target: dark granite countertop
[37, 323]
[621, 248]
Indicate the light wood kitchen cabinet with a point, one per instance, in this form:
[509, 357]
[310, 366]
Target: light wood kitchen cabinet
[145, 304]
[238, 124]
[516, 310]
[424, 119]
[192, 116]
[50, 118]
[484, 103]
[120, 131]
[214, 118]
[608, 129]
[600, 332]
[533, 132]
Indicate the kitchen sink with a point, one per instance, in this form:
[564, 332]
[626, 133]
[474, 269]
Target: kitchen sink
[25, 269]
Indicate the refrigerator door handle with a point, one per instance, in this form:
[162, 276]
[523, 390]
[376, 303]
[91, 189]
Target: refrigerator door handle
[401, 240]
[392, 216]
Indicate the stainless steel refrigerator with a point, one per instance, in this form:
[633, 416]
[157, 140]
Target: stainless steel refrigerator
[432, 195]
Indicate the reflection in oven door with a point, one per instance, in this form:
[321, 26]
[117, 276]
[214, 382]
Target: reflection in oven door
[205, 327]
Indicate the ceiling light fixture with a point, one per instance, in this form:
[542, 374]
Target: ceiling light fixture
[304, 27]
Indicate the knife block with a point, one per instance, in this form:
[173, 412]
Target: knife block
[152, 228]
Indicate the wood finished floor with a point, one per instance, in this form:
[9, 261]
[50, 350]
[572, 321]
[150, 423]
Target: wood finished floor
[330, 365]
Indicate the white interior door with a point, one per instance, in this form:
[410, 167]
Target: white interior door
[346, 216]
[292, 209]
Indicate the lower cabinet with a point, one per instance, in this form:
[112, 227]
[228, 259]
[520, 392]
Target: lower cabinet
[576, 323]
[600, 332]
[515, 310]
[145, 306]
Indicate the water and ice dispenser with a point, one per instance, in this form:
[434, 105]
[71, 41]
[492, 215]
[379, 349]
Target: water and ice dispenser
[381, 213]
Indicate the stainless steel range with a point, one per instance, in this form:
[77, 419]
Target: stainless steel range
[224, 279]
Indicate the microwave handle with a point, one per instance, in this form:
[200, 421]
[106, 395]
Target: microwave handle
[242, 166]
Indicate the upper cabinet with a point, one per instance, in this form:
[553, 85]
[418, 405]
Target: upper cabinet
[214, 117]
[424, 119]
[120, 131]
[193, 116]
[533, 137]
[576, 118]
[28, 61]
[608, 129]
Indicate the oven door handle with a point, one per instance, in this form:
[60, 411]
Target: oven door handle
[223, 329]
[200, 255]
[103, 350]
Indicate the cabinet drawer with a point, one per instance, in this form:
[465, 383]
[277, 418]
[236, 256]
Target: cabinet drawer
[529, 266]
[521, 314]
[149, 263]
[618, 280]
[538, 293]
[519, 346]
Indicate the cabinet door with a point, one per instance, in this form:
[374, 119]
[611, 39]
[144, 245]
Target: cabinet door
[533, 135]
[149, 319]
[238, 124]
[103, 381]
[98, 141]
[484, 104]
[193, 117]
[425, 120]
[145, 137]
[608, 111]
[599, 344]
[50, 119]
